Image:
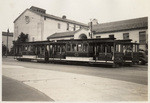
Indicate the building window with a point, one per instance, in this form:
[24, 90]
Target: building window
[67, 26]
[27, 19]
[125, 35]
[142, 37]
[44, 18]
[58, 25]
[98, 36]
[89, 34]
[32, 38]
[74, 27]
[68, 47]
[111, 36]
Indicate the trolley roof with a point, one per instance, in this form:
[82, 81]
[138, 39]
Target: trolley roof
[90, 40]
[62, 42]
[39, 43]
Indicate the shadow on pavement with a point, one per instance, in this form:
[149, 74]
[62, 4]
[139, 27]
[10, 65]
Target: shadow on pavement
[13, 90]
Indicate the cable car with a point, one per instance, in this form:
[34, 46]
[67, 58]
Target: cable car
[107, 51]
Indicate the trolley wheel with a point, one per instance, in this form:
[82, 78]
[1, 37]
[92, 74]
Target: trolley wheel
[143, 62]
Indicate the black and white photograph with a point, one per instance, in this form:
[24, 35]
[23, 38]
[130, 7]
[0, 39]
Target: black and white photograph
[74, 50]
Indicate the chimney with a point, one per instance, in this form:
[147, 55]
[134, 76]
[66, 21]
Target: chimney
[37, 9]
[94, 21]
[64, 16]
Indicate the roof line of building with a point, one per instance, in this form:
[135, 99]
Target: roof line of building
[121, 21]
[119, 30]
[20, 15]
[131, 24]
[53, 17]
[59, 18]
[60, 34]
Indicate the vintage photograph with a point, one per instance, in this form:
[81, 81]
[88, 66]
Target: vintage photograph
[74, 50]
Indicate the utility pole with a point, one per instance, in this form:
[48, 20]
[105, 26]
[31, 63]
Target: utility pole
[7, 42]
[91, 30]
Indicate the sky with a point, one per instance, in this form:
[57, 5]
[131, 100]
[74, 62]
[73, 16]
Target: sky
[78, 10]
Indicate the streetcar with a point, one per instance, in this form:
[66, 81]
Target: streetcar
[108, 51]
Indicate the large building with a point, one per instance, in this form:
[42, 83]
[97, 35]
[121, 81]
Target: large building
[135, 29]
[39, 25]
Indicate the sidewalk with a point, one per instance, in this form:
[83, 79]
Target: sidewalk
[13, 90]
[62, 86]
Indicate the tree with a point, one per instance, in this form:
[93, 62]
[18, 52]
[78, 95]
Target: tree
[11, 51]
[22, 38]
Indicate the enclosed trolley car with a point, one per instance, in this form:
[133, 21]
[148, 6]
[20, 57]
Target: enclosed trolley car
[95, 51]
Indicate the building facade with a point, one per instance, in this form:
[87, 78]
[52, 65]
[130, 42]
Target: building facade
[39, 25]
[135, 29]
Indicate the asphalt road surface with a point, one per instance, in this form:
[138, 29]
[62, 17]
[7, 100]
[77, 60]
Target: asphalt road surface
[132, 82]
[136, 74]
[13, 90]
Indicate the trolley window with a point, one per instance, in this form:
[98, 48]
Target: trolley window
[32, 48]
[38, 50]
[57, 48]
[47, 47]
[79, 47]
[102, 48]
[85, 47]
[90, 48]
[25, 48]
[135, 48]
[109, 49]
[74, 47]
[118, 48]
[68, 47]
[127, 48]
[63, 48]
[99, 48]
[42, 50]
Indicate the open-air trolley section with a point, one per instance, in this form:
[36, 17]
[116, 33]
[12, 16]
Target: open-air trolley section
[107, 51]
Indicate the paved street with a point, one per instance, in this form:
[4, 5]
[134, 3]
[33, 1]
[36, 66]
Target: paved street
[13, 90]
[81, 83]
